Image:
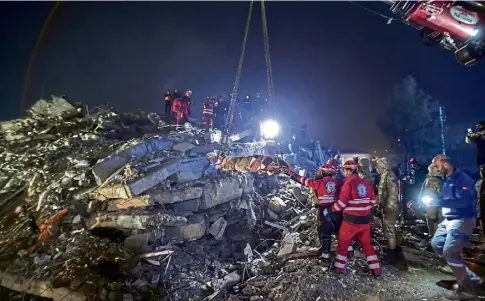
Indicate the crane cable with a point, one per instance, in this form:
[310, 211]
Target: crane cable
[230, 111]
[267, 54]
[33, 55]
[389, 19]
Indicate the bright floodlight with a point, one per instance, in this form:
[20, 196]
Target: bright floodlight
[270, 129]
[474, 32]
[426, 200]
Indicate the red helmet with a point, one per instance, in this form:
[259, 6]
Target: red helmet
[413, 161]
[350, 164]
[329, 168]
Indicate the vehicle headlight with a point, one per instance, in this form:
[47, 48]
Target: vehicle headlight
[270, 129]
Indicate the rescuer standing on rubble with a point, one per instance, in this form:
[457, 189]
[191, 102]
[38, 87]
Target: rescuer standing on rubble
[208, 113]
[327, 189]
[168, 104]
[432, 187]
[220, 110]
[454, 232]
[356, 200]
[187, 99]
[179, 109]
[479, 139]
[388, 202]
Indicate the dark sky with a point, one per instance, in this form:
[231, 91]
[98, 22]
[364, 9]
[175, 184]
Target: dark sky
[333, 62]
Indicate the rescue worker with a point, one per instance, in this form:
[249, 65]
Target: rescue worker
[179, 109]
[168, 103]
[221, 111]
[478, 138]
[327, 189]
[364, 171]
[188, 103]
[453, 233]
[432, 187]
[208, 113]
[480, 189]
[388, 202]
[356, 200]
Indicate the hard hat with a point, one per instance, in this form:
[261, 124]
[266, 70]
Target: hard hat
[413, 161]
[188, 93]
[329, 168]
[350, 164]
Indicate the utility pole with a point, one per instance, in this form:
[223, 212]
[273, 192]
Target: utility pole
[442, 128]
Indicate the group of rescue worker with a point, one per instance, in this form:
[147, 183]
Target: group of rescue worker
[347, 207]
[214, 110]
[178, 107]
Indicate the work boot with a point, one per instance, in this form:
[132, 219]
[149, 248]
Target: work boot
[325, 258]
[459, 295]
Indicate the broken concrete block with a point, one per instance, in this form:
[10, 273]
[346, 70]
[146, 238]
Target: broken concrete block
[124, 221]
[205, 149]
[222, 191]
[117, 204]
[289, 244]
[175, 196]
[140, 185]
[138, 243]
[58, 106]
[218, 227]
[185, 207]
[183, 147]
[195, 228]
[116, 191]
[230, 280]
[191, 169]
[105, 168]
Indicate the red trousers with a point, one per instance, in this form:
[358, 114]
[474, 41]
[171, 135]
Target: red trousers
[208, 121]
[363, 233]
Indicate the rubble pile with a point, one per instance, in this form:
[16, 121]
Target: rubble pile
[121, 205]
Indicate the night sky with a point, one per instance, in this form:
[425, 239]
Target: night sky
[333, 62]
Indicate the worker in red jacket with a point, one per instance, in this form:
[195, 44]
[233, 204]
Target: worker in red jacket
[356, 201]
[327, 189]
[179, 109]
[208, 108]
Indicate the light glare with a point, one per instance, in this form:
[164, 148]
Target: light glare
[270, 129]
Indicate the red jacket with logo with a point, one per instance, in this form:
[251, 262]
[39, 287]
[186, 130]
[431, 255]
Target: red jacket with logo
[356, 200]
[327, 188]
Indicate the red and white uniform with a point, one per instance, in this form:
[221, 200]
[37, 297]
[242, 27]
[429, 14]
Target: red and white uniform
[327, 189]
[356, 201]
[208, 113]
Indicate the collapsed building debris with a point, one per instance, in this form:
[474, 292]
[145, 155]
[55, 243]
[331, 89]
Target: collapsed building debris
[100, 205]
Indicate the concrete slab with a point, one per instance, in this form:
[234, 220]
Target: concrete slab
[106, 167]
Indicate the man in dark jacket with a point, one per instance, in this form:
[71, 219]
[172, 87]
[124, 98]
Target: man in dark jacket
[478, 138]
[453, 233]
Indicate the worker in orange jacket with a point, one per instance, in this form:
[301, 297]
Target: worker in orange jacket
[356, 201]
